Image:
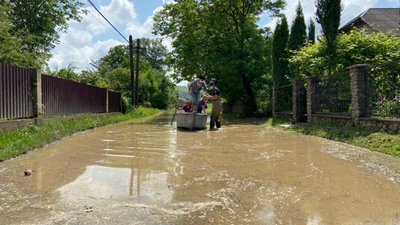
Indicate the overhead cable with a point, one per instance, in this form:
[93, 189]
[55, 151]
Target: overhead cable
[107, 20]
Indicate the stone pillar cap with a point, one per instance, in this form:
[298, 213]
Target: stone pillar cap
[358, 65]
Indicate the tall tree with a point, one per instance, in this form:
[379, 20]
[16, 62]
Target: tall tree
[40, 21]
[280, 69]
[155, 52]
[311, 31]
[297, 38]
[10, 45]
[217, 38]
[328, 15]
[298, 35]
[155, 87]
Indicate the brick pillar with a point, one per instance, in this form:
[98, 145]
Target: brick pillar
[299, 101]
[359, 91]
[273, 100]
[37, 93]
[312, 85]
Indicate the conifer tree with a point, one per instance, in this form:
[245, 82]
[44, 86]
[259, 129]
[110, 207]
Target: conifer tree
[298, 33]
[328, 15]
[280, 69]
[311, 31]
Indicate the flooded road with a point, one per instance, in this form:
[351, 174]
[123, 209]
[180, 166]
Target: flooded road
[241, 174]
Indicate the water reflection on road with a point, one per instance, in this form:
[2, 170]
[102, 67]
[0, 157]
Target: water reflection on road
[242, 174]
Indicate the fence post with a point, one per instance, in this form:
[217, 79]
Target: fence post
[36, 90]
[299, 101]
[312, 83]
[273, 101]
[359, 91]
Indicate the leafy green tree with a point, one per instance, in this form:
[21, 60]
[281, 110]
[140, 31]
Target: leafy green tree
[311, 31]
[10, 46]
[91, 77]
[280, 69]
[155, 52]
[39, 22]
[328, 15]
[219, 39]
[67, 73]
[155, 87]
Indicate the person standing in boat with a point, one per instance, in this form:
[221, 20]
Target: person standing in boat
[215, 96]
[195, 88]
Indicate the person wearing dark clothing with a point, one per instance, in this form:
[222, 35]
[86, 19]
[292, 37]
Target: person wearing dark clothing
[201, 108]
[215, 96]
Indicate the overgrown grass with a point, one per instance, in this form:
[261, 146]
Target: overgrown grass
[375, 140]
[18, 142]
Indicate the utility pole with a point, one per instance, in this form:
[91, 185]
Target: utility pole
[137, 72]
[133, 95]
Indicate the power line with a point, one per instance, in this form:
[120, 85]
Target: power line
[108, 21]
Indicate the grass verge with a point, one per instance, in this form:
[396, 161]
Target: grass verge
[18, 142]
[375, 140]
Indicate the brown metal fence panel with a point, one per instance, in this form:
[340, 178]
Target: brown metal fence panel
[65, 97]
[15, 92]
[114, 101]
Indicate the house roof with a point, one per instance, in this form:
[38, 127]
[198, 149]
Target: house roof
[379, 19]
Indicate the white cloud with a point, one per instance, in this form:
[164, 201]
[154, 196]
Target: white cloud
[141, 30]
[80, 56]
[90, 39]
[119, 11]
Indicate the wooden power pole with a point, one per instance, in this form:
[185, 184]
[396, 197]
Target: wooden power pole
[137, 72]
[133, 93]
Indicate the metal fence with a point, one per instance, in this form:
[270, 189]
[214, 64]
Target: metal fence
[114, 101]
[16, 91]
[385, 90]
[65, 97]
[20, 88]
[334, 94]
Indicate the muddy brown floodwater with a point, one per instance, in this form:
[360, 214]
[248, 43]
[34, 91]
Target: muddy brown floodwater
[152, 173]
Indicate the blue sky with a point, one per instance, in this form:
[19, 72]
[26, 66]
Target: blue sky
[91, 38]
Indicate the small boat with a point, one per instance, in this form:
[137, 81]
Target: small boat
[191, 120]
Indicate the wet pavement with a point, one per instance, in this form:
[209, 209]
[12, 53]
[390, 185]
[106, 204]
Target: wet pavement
[152, 173]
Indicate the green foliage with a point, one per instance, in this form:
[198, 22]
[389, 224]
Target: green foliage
[388, 108]
[91, 78]
[328, 15]
[280, 69]
[67, 73]
[126, 105]
[32, 136]
[219, 39]
[155, 87]
[360, 136]
[155, 52]
[11, 46]
[298, 35]
[297, 38]
[311, 31]
[39, 23]
[379, 50]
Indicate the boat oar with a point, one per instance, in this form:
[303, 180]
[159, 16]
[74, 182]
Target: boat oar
[176, 109]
